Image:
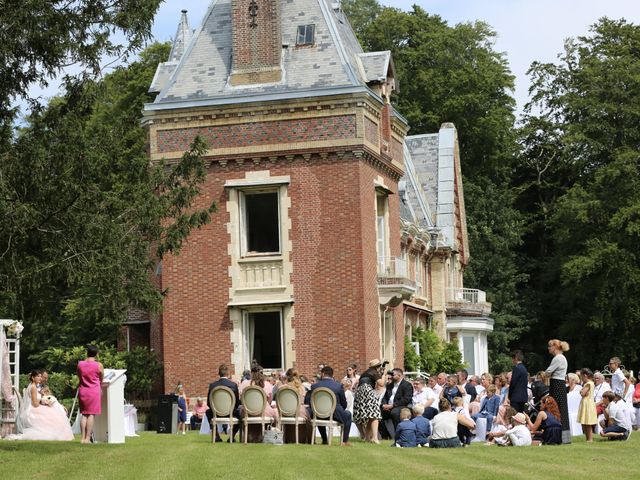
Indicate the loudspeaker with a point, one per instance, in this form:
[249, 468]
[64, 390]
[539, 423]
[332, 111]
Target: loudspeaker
[167, 413]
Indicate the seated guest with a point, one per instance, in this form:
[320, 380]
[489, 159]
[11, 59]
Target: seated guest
[259, 380]
[470, 390]
[503, 426]
[486, 379]
[199, 411]
[464, 432]
[518, 435]
[340, 414]
[573, 383]
[423, 426]
[616, 425]
[547, 427]
[452, 389]
[500, 381]
[224, 381]
[488, 407]
[540, 387]
[398, 396]
[425, 396]
[444, 426]
[406, 430]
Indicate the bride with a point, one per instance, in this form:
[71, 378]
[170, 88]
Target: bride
[39, 420]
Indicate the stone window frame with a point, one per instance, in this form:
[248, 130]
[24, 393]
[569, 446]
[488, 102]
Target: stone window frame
[242, 192]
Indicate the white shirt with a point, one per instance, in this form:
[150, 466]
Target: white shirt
[598, 390]
[618, 414]
[393, 393]
[479, 390]
[444, 425]
[617, 382]
[519, 435]
[437, 388]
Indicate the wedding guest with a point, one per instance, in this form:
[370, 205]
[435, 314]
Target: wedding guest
[406, 430]
[423, 426]
[547, 427]
[366, 405]
[444, 427]
[352, 375]
[616, 425]
[557, 372]
[182, 410]
[90, 374]
[587, 416]
[199, 412]
[518, 435]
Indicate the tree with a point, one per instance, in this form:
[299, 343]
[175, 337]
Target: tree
[39, 40]
[360, 14]
[85, 218]
[579, 180]
[453, 74]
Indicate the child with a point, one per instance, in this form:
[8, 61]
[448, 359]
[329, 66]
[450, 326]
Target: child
[517, 436]
[464, 432]
[489, 407]
[348, 393]
[423, 426]
[182, 410]
[616, 426]
[406, 430]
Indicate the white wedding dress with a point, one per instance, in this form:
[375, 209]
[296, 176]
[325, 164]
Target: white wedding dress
[42, 422]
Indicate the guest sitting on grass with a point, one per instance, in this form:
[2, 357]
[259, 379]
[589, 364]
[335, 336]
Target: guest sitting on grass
[547, 427]
[406, 431]
[444, 426]
[423, 426]
[500, 428]
[616, 425]
[464, 432]
[517, 436]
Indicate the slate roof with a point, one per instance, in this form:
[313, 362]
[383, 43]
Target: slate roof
[183, 37]
[335, 61]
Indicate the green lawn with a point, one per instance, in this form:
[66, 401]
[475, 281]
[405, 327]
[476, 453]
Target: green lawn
[192, 456]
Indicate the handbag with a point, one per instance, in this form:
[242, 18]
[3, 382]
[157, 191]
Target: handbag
[273, 436]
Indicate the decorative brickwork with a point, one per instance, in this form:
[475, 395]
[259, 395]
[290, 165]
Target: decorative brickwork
[260, 133]
[257, 44]
[371, 131]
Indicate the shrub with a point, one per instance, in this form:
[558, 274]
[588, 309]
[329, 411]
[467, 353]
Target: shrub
[436, 355]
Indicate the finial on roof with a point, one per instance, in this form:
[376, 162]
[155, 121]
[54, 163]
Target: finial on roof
[182, 38]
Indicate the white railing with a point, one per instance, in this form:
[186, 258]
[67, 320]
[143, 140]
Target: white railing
[467, 295]
[265, 273]
[392, 267]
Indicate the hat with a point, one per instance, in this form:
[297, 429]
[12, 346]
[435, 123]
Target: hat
[520, 418]
[374, 363]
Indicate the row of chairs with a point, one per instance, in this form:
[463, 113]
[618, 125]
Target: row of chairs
[288, 402]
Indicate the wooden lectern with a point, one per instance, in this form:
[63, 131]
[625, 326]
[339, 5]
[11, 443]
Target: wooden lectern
[109, 425]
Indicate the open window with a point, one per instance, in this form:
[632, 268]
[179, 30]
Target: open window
[263, 334]
[260, 222]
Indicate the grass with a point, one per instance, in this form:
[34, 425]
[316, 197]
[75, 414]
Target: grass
[193, 456]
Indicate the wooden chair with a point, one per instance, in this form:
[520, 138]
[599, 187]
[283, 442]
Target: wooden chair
[323, 404]
[222, 401]
[288, 403]
[254, 401]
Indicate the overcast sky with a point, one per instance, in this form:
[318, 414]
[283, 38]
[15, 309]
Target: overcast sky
[527, 30]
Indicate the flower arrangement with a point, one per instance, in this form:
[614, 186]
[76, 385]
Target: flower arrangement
[15, 329]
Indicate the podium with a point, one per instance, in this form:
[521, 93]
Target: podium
[109, 425]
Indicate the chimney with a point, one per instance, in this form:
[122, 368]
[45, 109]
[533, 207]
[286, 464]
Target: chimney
[257, 42]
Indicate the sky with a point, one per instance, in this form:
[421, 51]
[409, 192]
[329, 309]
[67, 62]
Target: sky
[527, 30]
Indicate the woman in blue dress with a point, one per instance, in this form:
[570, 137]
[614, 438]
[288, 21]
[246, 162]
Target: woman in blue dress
[547, 428]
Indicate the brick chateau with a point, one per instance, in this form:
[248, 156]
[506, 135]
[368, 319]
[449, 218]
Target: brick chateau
[323, 244]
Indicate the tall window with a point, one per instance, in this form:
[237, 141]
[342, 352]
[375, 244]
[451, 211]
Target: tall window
[382, 231]
[260, 223]
[263, 336]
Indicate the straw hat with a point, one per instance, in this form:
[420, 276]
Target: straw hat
[375, 363]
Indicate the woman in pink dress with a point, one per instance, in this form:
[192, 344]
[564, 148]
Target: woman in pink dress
[90, 373]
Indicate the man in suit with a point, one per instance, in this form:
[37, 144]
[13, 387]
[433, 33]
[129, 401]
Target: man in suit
[517, 393]
[398, 396]
[224, 381]
[340, 413]
[470, 389]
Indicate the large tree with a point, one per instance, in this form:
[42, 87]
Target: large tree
[579, 179]
[85, 218]
[41, 40]
[453, 74]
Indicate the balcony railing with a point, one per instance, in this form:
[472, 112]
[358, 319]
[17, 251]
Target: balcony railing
[467, 302]
[467, 295]
[256, 274]
[394, 267]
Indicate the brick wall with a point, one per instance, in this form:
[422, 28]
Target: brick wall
[260, 133]
[334, 273]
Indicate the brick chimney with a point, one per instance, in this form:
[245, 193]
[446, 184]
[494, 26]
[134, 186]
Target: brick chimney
[257, 42]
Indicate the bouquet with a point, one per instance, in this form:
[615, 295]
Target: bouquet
[15, 329]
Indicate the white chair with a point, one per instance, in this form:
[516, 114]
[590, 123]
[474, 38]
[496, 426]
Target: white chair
[323, 404]
[254, 401]
[222, 401]
[288, 403]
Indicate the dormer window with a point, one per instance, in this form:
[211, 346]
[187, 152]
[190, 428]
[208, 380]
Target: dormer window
[306, 35]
